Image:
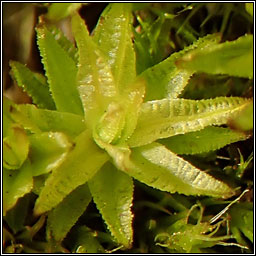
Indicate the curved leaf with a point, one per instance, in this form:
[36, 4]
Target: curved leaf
[96, 85]
[208, 139]
[113, 36]
[61, 71]
[37, 120]
[15, 148]
[165, 79]
[15, 185]
[242, 219]
[64, 42]
[112, 192]
[78, 167]
[159, 168]
[47, 151]
[58, 11]
[34, 84]
[62, 218]
[169, 117]
[233, 58]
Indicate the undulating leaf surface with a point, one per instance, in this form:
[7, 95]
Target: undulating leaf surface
[234, 58]
[165, 79]
[43, 120]
[15, 147]
[61, 71]
[113, 37]
[96, 85]
[62, 218]
[169, 117]
[78, 167]
[159, 168]
[112, 192]
[34, 84]
[47, 151]
[15, 185]
[205, 140]
[58, 11]
[131, 101]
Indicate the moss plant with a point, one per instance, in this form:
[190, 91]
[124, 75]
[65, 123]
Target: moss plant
[102, 120]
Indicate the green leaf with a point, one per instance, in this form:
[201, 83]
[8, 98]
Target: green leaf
[159, 168]
[208, 139]
[47, 151]
[111, 123]
[113, 36]
[34, 84]
[165, 79]
[96, 85]
[61, 71]
[78, 167]
[65, 43]
[245, 120]
[15, 148]
[242, 219]
[249, 8]
[7, 120]
[62, 218]
[112, 192]
[86, 241]
[233, 58]
[16, 216]
[58, 11]
[42, 120]
[169, 117]
[131, 101]
[15, 185]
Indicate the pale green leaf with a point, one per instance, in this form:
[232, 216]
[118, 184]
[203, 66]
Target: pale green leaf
[65, 43]
[111, 123]
[34, 84]
[131, 101]
[168, 117]
[234, 58]
[96, 85]
[47, 151]
[61, 71]
[7, 120]
[159, 168]
[113, 36]
[249, 8]
[62, 218]
[58, 11]
[208, 139]
[165, 79]
[37, 120]
[112, 192]
[15, 185]
[78, 167]
[15, 147]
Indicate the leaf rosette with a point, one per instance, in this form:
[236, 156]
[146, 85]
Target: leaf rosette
[104, 125]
